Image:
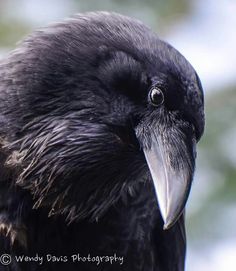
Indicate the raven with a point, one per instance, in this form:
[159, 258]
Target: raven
[99, 121]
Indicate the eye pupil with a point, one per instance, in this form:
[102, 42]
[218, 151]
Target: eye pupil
[156, 96]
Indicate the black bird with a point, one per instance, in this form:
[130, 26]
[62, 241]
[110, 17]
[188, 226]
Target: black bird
[99, 120]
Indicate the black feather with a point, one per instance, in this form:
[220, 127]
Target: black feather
[70, 98]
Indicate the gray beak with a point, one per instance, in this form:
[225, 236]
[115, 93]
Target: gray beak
[171, 165]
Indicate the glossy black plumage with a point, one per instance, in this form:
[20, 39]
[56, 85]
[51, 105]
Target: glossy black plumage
[74, 107]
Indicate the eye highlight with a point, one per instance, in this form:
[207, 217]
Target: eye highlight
[156, 96]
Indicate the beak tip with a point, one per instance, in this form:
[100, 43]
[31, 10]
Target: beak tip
[167, 225]
[170, 220]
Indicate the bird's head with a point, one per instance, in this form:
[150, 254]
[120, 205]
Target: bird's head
[109, 105]
[161, 97]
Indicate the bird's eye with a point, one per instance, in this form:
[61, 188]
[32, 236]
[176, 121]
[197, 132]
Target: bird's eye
[156, 96]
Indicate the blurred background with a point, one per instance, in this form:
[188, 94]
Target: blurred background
[204, 31]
